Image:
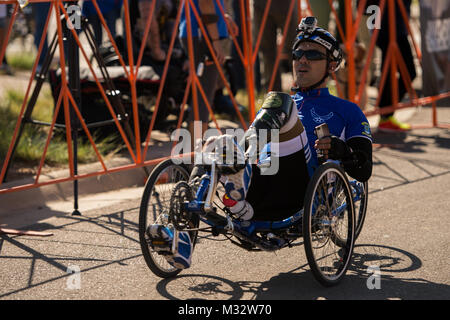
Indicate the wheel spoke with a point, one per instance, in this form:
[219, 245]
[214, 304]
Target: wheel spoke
[329, 236]
[155, 206]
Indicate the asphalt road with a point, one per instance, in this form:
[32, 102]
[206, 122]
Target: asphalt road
[403, 251]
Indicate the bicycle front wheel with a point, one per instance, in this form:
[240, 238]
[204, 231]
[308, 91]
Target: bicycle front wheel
[329, 224]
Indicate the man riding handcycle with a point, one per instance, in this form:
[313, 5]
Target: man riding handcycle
[303, 198]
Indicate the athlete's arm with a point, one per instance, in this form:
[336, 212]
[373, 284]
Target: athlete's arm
[360, 167]
[210, 18]
[355, 155]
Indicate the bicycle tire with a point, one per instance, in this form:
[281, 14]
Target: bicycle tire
[362, 209]
[321, 227]
[159, 184]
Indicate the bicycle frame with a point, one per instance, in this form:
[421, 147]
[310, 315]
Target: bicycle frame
[326, 226]
[357, 188]
[247, 230]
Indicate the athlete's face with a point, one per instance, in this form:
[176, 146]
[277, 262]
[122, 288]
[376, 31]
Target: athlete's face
[308, 72]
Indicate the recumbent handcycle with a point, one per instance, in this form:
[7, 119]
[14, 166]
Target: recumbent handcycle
[329, 222]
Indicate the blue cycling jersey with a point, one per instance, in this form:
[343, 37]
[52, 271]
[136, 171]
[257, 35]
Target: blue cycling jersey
[344, 118]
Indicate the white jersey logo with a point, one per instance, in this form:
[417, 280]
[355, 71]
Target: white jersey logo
[320, 119]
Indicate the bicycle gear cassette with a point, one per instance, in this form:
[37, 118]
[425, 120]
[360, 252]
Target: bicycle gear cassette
[178, 214]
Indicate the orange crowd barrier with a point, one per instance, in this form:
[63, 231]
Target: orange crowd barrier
[247, 52]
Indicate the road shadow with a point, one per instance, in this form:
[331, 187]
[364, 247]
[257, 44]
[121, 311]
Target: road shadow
[30, 220]
[360, 283]
[409, 149]
[414, 141]
[37, 251]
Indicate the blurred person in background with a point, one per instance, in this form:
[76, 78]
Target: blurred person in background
[388, 123]
[40, 13]
[275, 23]
[110, 9]
[4, 22]
[216, 27]
[154, 42]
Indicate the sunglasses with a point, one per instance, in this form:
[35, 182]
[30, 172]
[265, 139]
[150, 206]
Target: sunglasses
[309, 54]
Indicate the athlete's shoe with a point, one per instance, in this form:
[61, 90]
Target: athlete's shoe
[176, 247]
[391, 124]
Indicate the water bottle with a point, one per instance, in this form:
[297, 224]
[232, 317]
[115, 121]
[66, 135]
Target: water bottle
[321, 131]
[242, 210]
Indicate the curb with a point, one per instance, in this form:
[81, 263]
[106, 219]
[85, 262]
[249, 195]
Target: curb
[37, 197]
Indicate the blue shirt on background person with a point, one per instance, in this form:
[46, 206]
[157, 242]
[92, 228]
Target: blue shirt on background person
[196, 31]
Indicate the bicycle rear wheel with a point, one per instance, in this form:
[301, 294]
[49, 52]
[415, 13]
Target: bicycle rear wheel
[155, 206]
[329, 224]
[361, 207]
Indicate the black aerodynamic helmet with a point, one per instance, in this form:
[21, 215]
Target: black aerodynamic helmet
[308, 30]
